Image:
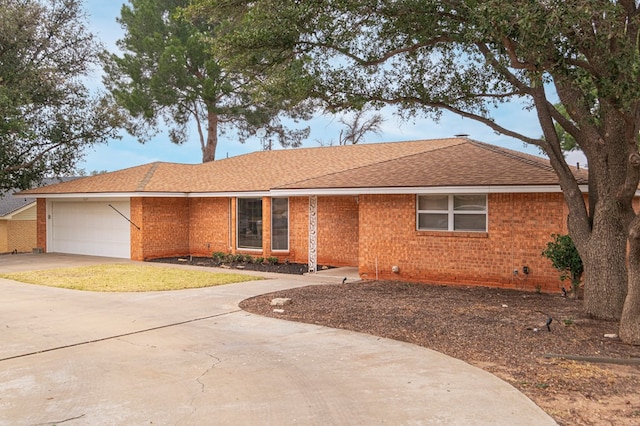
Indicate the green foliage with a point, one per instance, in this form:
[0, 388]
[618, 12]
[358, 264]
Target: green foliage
[565, 258]
[272, 260]
[48, 115]
[567, 142]
[260, 260]
[170, 73]
[236, 258]
[219, 256]
[466, 57]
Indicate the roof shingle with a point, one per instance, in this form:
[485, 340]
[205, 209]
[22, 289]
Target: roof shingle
[425, 163]
[10, 204]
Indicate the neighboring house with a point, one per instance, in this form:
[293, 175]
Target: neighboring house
[450, 211]
[17, 224]
[18, 221]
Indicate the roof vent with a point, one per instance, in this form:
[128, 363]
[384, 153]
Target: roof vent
[462, 135]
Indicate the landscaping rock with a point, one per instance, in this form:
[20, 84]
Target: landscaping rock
[281, 301]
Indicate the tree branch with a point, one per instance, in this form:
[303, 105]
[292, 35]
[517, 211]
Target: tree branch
[504, 71]
[381, 59]
[31, 162]
[476, 117]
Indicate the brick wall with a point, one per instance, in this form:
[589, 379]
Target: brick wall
[298, 229]
[136, 216]
[520, 225]
[200, 226]
[338, 231]
[266, 226]
[164, 224]
[21, 235]
[209, 226]
[4, 247]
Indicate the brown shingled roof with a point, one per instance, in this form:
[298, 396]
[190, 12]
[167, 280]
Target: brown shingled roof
[438, 162]
[468, 164]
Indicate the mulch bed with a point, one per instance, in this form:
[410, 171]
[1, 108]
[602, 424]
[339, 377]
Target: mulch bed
[281, 268]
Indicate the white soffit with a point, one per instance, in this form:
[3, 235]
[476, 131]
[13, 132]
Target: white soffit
[489, 189]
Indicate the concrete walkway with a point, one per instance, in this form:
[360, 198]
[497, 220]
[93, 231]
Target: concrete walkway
[192, 357]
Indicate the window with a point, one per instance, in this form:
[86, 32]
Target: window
[249, 223]
[280, 224]
[452, 213]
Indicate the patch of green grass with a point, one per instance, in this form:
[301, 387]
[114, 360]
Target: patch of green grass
[126, 278]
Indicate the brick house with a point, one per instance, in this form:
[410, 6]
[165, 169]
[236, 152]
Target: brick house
[17, 224]
[451, 211]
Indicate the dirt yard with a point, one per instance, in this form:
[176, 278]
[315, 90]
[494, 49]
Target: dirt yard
[502, 331]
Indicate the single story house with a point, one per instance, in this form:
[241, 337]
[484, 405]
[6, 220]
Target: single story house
[18, 228]
[450, 211]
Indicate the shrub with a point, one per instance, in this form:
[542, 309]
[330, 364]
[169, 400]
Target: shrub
[272, 260]
[565, 258]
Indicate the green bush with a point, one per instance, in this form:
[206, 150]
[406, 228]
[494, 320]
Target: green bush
[272, 260]
[219, 256]
[565, 258]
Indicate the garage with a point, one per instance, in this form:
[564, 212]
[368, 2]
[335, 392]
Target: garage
[97, 228]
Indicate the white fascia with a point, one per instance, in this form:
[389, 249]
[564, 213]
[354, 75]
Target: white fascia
[489, 189]
[111, 195]
[248, 194]
[120, 195]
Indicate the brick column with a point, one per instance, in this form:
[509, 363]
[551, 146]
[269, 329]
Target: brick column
[266, 226]
[41, 225]
[233, 225]
[136, 206]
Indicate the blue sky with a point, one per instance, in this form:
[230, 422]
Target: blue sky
[128, 152]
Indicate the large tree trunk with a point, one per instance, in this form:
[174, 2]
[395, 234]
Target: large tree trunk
[209, 148]
[630, 321]
[605, 285]
[603, 252]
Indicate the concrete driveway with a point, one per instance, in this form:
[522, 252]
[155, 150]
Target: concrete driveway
[193, 357]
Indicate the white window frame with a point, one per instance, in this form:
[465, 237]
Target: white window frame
[288, 224]
[451, 213]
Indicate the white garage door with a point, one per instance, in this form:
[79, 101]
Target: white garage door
[91, 228]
